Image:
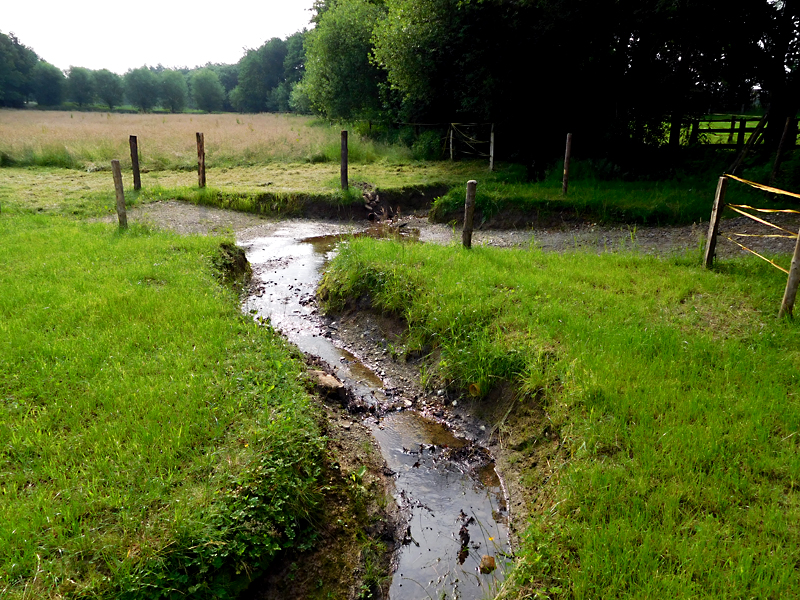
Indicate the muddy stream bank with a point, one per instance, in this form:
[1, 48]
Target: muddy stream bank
[451, 540]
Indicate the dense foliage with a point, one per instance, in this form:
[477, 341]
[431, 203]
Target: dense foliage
[624, 75]
[16, 69]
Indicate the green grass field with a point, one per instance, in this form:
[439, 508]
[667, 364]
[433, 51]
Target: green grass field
[672, 392]
[153, 441]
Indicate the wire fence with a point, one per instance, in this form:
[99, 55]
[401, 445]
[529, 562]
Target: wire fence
[752, 213]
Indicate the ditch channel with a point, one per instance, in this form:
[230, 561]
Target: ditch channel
[452, 540]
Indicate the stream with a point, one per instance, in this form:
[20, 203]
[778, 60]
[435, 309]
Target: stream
[454, 542]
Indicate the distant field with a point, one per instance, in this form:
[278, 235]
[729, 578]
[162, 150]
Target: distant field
[86, 140]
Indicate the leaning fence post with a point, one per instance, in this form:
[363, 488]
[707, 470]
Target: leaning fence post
[778, 155]
[787, 305]
[451, 142]
[567, 156]
[137, 178]
[121, 214]
[201, 160]
[491, 149]
[713, 226]
[469, 213]
[344, 160]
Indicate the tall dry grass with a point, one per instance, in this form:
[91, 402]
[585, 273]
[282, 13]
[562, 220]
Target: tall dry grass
[84, 140]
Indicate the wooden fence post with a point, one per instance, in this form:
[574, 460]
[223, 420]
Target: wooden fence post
[344, 160]
[779, 153]
[567, 156]
[121, 214]
[732, 130]
[751, 142]
[787, 306]
[201, 160]
[137, 178]
[742, 132]
[694, 132]
[451, 142]
[491, 149]
[713, 226]
[469, 214]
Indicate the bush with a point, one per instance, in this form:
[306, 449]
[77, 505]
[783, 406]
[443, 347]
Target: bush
[428, 146]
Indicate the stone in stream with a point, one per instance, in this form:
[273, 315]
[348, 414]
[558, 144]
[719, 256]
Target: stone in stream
[327, 384]
[487, 564]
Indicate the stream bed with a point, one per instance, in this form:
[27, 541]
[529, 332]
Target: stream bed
[454, 541]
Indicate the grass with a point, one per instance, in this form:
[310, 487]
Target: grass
[599, 192]
[153, 441]
[58, 161]
[671, 393]
[81, 194]
[86, 140]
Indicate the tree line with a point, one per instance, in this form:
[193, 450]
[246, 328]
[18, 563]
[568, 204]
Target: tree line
[626, 74]
[262, 81]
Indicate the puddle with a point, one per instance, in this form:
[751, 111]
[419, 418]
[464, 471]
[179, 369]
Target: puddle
[446, 487]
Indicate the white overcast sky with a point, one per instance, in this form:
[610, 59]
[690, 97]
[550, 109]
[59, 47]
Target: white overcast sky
[124, 34]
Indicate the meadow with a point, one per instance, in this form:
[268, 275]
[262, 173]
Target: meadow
[139, 405]
[154, 442]
[277, 164]
[88, 140]
[663, 459]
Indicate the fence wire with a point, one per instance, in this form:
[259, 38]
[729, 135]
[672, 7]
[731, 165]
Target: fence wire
[468, 140]
[742, 208]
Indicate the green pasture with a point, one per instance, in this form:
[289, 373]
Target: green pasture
[671, 392]
[154, 443]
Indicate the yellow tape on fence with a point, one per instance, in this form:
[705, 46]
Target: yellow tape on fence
[760, 235]
[761, 186]
[762, 221]
[766, 210]
[758, 255]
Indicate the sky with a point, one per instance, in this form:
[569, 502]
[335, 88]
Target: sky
[122, 34]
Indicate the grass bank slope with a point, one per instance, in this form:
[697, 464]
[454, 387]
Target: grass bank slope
[154, 443]
[669, 392]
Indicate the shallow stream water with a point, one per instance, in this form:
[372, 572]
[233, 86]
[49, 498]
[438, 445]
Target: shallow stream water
[444, 485]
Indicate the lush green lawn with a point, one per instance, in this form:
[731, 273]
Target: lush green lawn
[672, 390]
[151, 437]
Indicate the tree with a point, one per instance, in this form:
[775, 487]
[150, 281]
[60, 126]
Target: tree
[340, 79]
[447, 58]
[80, 86]
[108, 87]
[209, 95]
[778, 63]
[294, 65]
[174, 90]
[48, 84]
[260, 72]
[228, 77]
[16, 66]
[141, 88]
